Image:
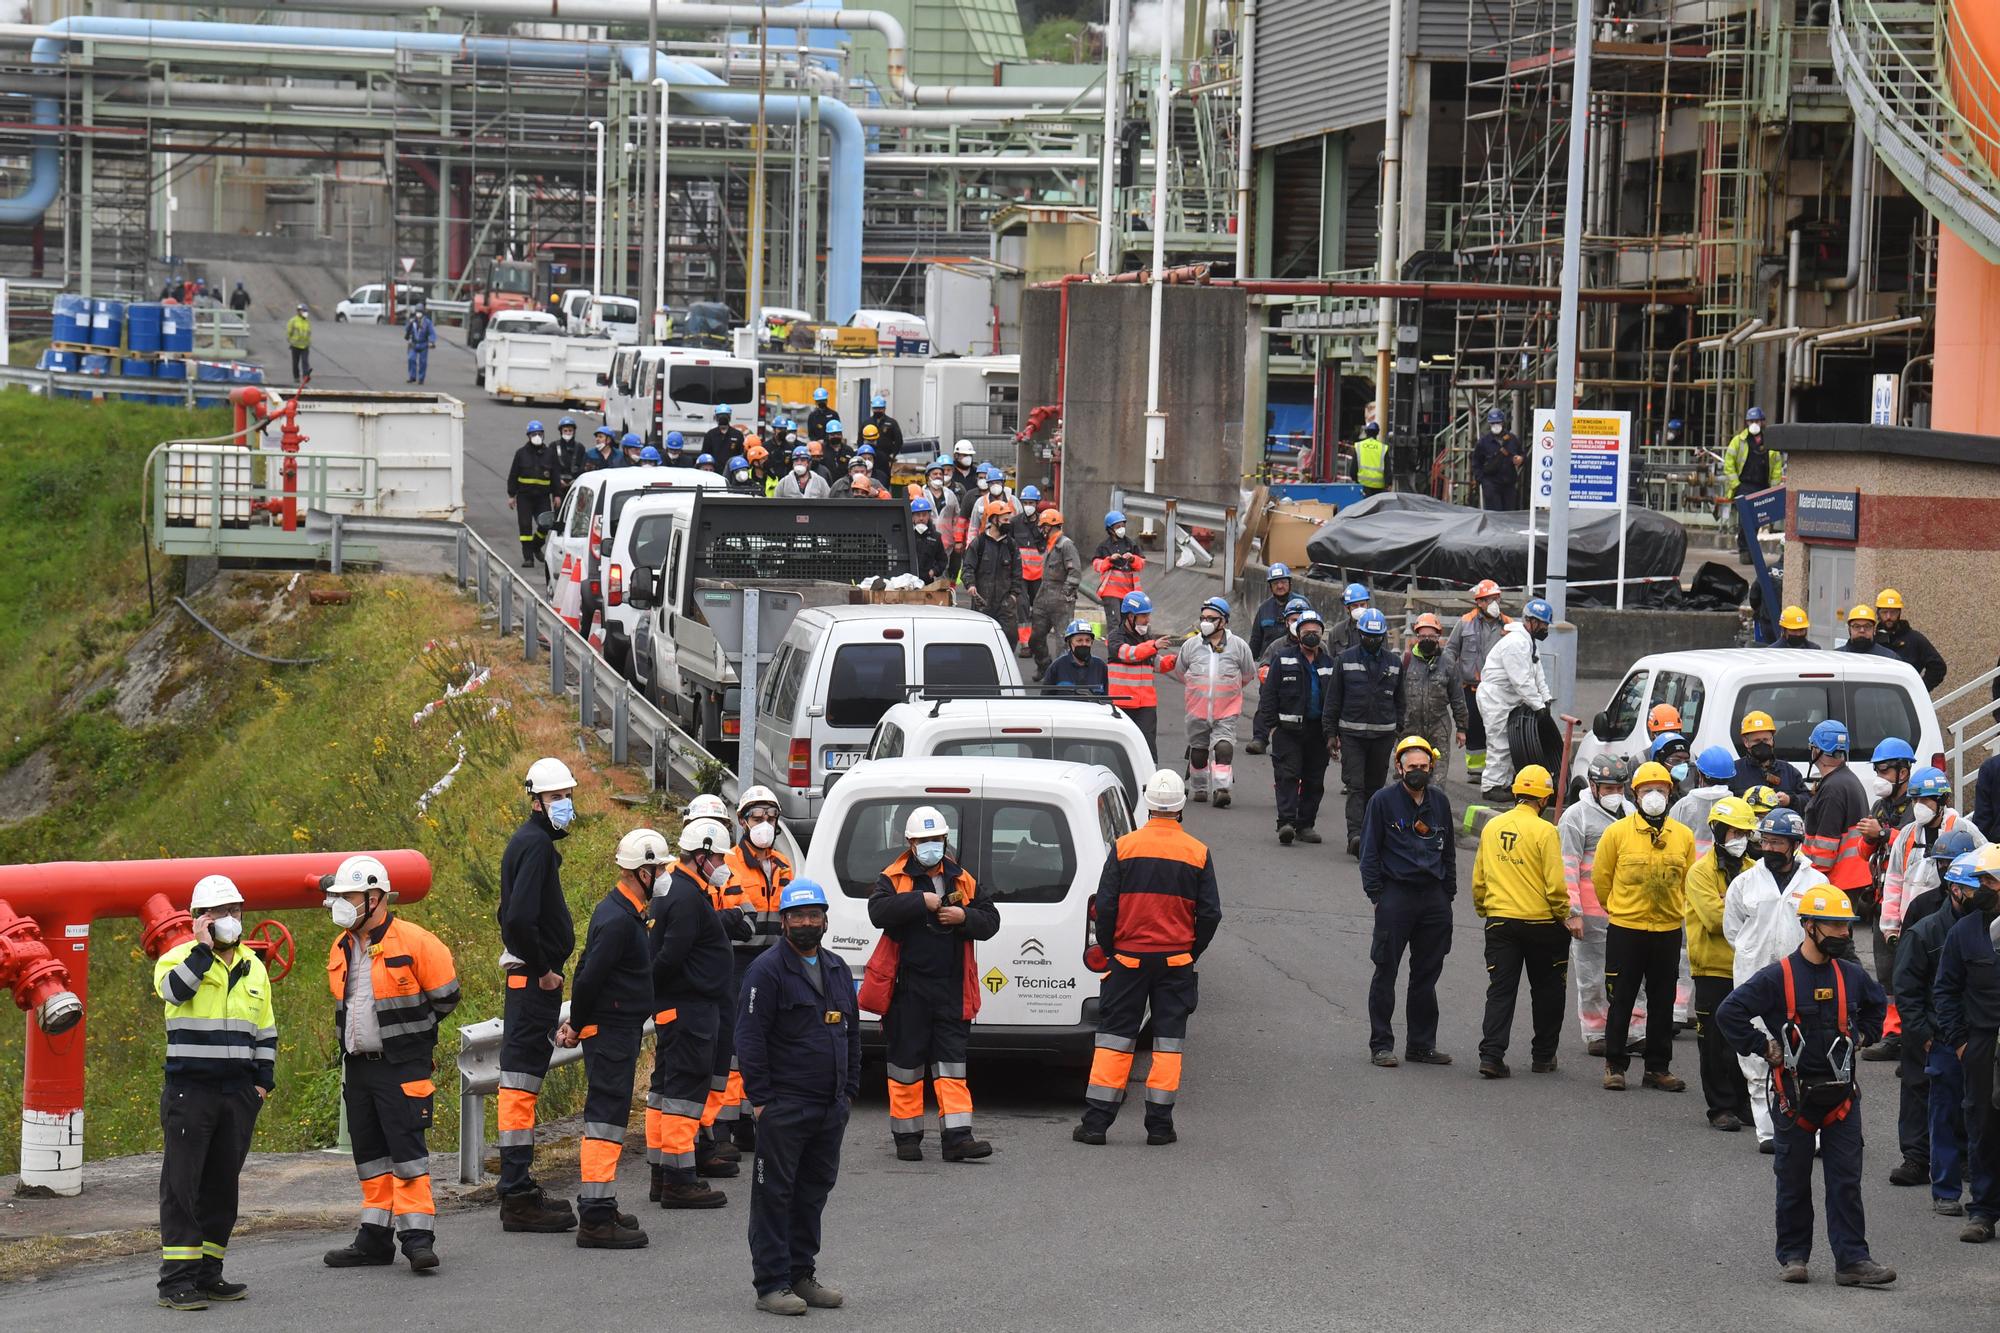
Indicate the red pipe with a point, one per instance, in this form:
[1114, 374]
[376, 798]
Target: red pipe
[65, 897]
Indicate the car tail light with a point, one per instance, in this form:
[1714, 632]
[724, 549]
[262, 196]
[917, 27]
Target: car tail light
[660, 407]
[1937, 761]
[732, 726]
[1093, 956]
[947, 791]
[1020, 731]
[596, 535]
[798, 763]
[892, 634]
[614, 585]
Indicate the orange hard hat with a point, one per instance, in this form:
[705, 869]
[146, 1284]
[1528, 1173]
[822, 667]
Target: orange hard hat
[1664, 717]
[1426, 621]
[1050, 518]
[756, 452]
[1485, 588]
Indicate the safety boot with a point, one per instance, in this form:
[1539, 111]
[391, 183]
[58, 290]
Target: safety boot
[1867, 1273]
[417, 1249]
[727, 1151]
[1085, 1134]
[1286, 833]
[1614, 1081]
[354, 1256]
[1908, 1172]
[533, 1210]
[817, 1294]
[1977, 1231]
[967, 1150]
[609, 1233]
[715, 1167]
[1891, 1049]
[1948, 1207]
[1547, 1066]
[909, 1150]
[1159, 1136]
[1221, 798]
[1664, 1082]
[1794, 1271]
[1311, 835]
[1495, 1069]
[659, 1176]
[683, 1194]
[786, 1301]
[183, 1298]
[218, 1289]
[1594, 1048]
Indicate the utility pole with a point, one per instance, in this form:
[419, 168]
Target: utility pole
[753, 295]
[1163, 124]
[1565, 404]
[597, 216]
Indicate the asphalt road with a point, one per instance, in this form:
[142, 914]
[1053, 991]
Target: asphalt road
[1309, 1190]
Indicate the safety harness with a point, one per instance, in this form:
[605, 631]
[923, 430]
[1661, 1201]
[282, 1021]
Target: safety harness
[1821, 1102]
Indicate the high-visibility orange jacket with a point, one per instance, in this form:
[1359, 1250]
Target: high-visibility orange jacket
[1112, 582]
[415, 984]
[1158, 894]
[896, 907]
[754, 891]
[1833, 844]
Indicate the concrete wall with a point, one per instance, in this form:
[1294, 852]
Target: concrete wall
[1104, 426]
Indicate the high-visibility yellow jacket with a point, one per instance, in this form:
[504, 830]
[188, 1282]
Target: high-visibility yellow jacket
[1371, 455]
[1709, 953]
[1641, 873]
[299, 331]
[220, 1027]
[1518, 873]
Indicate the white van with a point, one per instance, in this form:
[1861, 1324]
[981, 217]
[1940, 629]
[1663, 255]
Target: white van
[587, 524]
[652, 390]
[1016, 724]
[642, 523]
[368, 304]
[840, 668]
[1877, 697]
[1034, 836]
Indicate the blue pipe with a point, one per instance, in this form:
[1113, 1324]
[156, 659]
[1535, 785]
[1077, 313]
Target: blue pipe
[702, 90]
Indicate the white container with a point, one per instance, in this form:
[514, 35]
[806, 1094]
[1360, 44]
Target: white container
[533, 368]
[416, 440]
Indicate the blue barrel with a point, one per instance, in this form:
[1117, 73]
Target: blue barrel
[175, 371]
[95, 364]
[138, 370]
[245, 372]
[176, 328]
[211, 372]
[56, 360]
[142, 326]
[72, 318]
[107, 323]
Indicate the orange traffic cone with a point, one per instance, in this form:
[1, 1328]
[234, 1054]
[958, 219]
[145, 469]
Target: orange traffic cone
[597, 630]
[569, 599]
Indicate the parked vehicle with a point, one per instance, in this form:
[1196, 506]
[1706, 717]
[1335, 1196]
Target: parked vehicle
[1877, 697]
[588, 520]
[1034, 835]
[369, 303]
[796, 553]
[543, 367]
[840, 668]
[653, 390]
[895, 330]
[587, 314]
[512, 321]
[1016, 724]
[501, 284]
[709, 324]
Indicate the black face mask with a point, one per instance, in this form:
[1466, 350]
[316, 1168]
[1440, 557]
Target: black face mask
[805, 938]
[1539, 634]
[1309, 640]
[1417, 778]
[1080, 654]
[1425, 648]
[1985, 901]
[1795, 639]
[1778, 863]
[1763, 752]
[1835, 946]
[1372, 642]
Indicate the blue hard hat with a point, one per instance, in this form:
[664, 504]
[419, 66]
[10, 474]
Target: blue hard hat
[631, 440]
[1829, 737]
[922, 505]
[1297, 604]
[1754, 414]
[834, 427]
[1353, 593]
[1281, 570]
[1667, 740]
[1308, 614]
[865, 451]
[1135, 604]
[819, 395]
[1217, 604]
[567, 421]
[802, 893]
[1930, 782]
[1893, 751]
[1952, 845]
[1495, 415]
[1114, 518]
[801, 452]
[1372, 621]
[534, 428]
[1783, 823]
[1716, 762]
[704, 460]
[939, 464]
[1964, 869]
[724, 410]
[1030, 493]
[1371, 430]
[737, 464]
[606, 431]
[675, 439]
[1675, 423]
[1539, 609]
[878, 401]
[1077, 627]
[649, 455]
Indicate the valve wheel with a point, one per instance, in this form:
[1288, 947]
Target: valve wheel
[274, 945]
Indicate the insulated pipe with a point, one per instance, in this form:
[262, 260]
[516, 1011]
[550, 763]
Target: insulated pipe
[1246, 93]
[1110, 223]
[1857, 221]
[1390, 215]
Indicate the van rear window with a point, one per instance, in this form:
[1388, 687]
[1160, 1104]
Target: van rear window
[1018, 851]
[1874, 711]
[1878, 710]
[867, 681]
[960, 664]
[872, 837]
[1796, 706]
[711, 384]
[1068, 749]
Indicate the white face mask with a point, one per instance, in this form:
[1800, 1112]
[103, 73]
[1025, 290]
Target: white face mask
[1756, 428]
[535, 440]
[923, 527]
[718, 874]
[1614, 803]
[937, 484]
[1494, 429]
[1119, 532]
[1878, 786]
[1653, 803]
[763, 835]
[800, 469]
[1923, 814]
[344, 913]
[226, 930]
[1210, 626]
[1354, 612]
[996, 489]
[1736, 846]
[1492, 609]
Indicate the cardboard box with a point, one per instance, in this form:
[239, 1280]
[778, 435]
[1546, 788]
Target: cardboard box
[1288, 529]
[936, 594]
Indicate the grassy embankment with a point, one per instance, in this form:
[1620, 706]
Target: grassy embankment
[236, 757]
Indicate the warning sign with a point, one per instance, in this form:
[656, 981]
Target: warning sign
[1600, 452]
[996, 981]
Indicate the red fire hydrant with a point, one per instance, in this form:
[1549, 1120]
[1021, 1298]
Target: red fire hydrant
[49, 970]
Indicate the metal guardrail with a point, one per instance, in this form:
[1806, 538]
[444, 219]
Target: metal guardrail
[1177, 514]
[479, 1078]
[1961, 743]
[220, 331]
[49, 383]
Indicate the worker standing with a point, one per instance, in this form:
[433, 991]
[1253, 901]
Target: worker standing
[421, 335]
[938, 490]
[889, 431]
[722, 439]
[1760, 766]
[1432, 699]
[1215, 668]
[1496, 465]
[1730, 826]
[1409, 870]
[1642, 865]
[1760, 921]
[1028, 541]
[821, 414]
[531, 480]
[1861, 625]
[691, 979]
[609, 1003]
[1363, 713]
[1290, 711]
[239, 299]
[1158, 908]
[1793, 626]
[993, 569]
[802, 483]
[1079, 670]
[1118, 563]
[799, 1033]
[1135, 659]
[1839, 804]
[1518, 891]
[929, 559]
[1472, 638]
[1054, 603]
[924, 981]
[1816, 1006]
[393, 983]
[1901, 638]
[1371, 461]
[1581, 828]
[1916, 981]
[1511, 678]
[1268, 625]
[1749, 463]
[537, 936]
[299, 337]
[758, 874]
[1893, 762]
[1966, 1006]
[222, 1053]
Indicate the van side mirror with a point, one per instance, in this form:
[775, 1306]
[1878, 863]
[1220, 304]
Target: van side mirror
[604, 378]
[546, 521]
[640, 591]
[1600, 727]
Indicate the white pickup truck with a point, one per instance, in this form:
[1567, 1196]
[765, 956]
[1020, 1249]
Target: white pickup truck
[543, 367]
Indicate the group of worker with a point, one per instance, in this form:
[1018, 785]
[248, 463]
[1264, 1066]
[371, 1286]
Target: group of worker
[1879, 630]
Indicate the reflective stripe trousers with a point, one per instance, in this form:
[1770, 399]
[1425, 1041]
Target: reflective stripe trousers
[1132, 986]
[684, 1041]
[529, 1016]
[610, 1059]
[925, 1033]
[206, 1132]
[388, 1116]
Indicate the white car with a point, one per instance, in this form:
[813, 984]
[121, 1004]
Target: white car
[1034, 835]
[894, 327]
[1071, 728]
[651, 391]
[368, 304]
[1877, 697]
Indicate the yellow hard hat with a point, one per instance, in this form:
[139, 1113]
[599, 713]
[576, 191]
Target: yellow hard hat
[1826, 904]
[1534, 780]
[1862, 612]
[1756, 722]
[1414, 743]
[1652, 773]
[1762, 800]
[1733, 812]
[1794, 618]
[871, 432]
[1989, 859]
[1888, 600]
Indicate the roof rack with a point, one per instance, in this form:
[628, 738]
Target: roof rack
[940, 695]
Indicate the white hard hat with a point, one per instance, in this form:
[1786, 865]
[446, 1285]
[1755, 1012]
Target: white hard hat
[707, 806]
[214, 891]
[642, 847]
[1164, 791]
[545, 775]
[925, 822]
[756, 796]
[706, 835]
[962, 449]
[356, 875]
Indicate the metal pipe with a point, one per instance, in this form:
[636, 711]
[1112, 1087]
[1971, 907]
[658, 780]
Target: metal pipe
[660, 223]
[1566, 322]
[1903, 383]
[1389, 216]
[1857, 227]
[597, 215]
[1109, 221]
[1163, 123]
[1246, 92]
[1022, 161]
[1792, 277]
